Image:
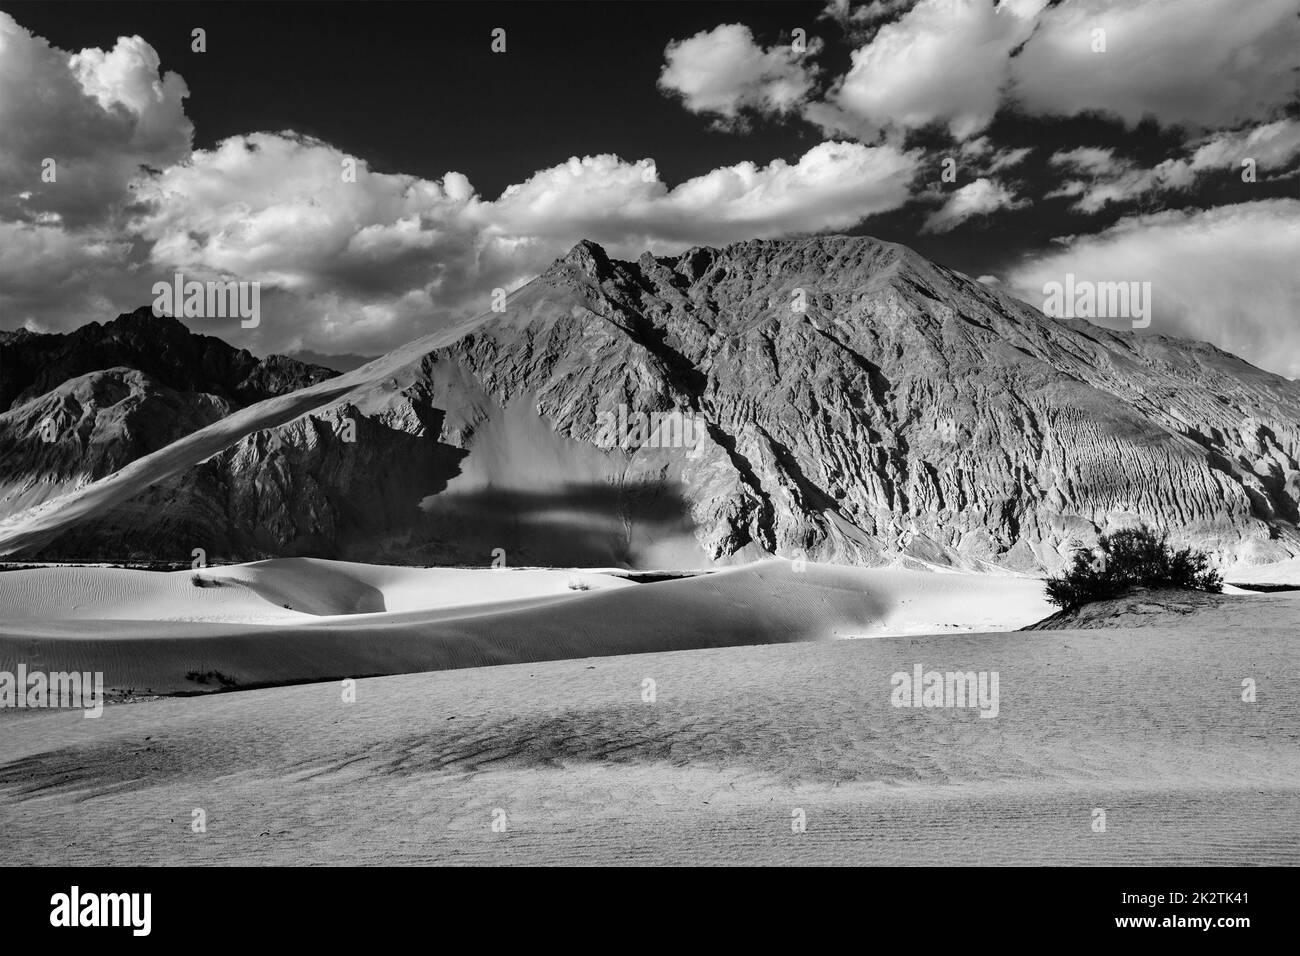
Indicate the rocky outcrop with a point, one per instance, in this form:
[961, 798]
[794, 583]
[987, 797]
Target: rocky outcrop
[857, 403]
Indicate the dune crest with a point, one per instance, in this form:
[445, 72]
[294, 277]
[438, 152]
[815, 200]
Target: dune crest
[153, 632]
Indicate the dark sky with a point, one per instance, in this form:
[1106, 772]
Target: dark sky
[414, 87]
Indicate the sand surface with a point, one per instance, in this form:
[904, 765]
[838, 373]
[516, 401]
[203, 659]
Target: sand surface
[683, 721]
[160, 633]
[276, 592]
[1278, 573]
[1147, 725]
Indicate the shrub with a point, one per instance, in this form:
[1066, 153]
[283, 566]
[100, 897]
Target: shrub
[1134, 557]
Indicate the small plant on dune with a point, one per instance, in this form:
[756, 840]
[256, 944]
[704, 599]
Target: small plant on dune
[1134, 557]
[579, 586]
[205, 677]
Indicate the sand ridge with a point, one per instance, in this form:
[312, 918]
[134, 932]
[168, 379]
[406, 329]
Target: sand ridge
[160, 633]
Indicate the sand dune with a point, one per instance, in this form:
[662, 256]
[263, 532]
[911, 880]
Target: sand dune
[1146, 725]
[160, 633]
[1224, 613]
[258, 593]
[1280, 573]
[643, 722]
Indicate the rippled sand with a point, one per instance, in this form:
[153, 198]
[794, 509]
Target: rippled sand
[1146, 724]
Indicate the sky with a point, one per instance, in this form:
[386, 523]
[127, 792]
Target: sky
[1016, 141]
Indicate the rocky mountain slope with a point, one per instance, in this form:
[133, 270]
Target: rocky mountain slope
[78, 407]
[905, 412]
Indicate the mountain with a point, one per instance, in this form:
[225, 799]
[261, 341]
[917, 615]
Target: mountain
[906, 413]
[162, 348]
[77, 407]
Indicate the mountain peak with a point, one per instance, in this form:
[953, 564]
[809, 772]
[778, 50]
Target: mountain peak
[847, 257]
[589, 258]
[141, 324]
[144, 319]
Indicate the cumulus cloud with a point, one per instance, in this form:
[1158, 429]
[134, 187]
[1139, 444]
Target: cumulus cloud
[723, 72]
[626, 206]
[348, 257]
[1225, 275]
[98, 115]
[48, 274]
[275, 208]
[231, 210]
[977, 198]
[1202, 63]
[278, 208]
[372, 260]
[367, 262]
[944, 61]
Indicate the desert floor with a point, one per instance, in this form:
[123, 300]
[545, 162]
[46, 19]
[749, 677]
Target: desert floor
[577, 761]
